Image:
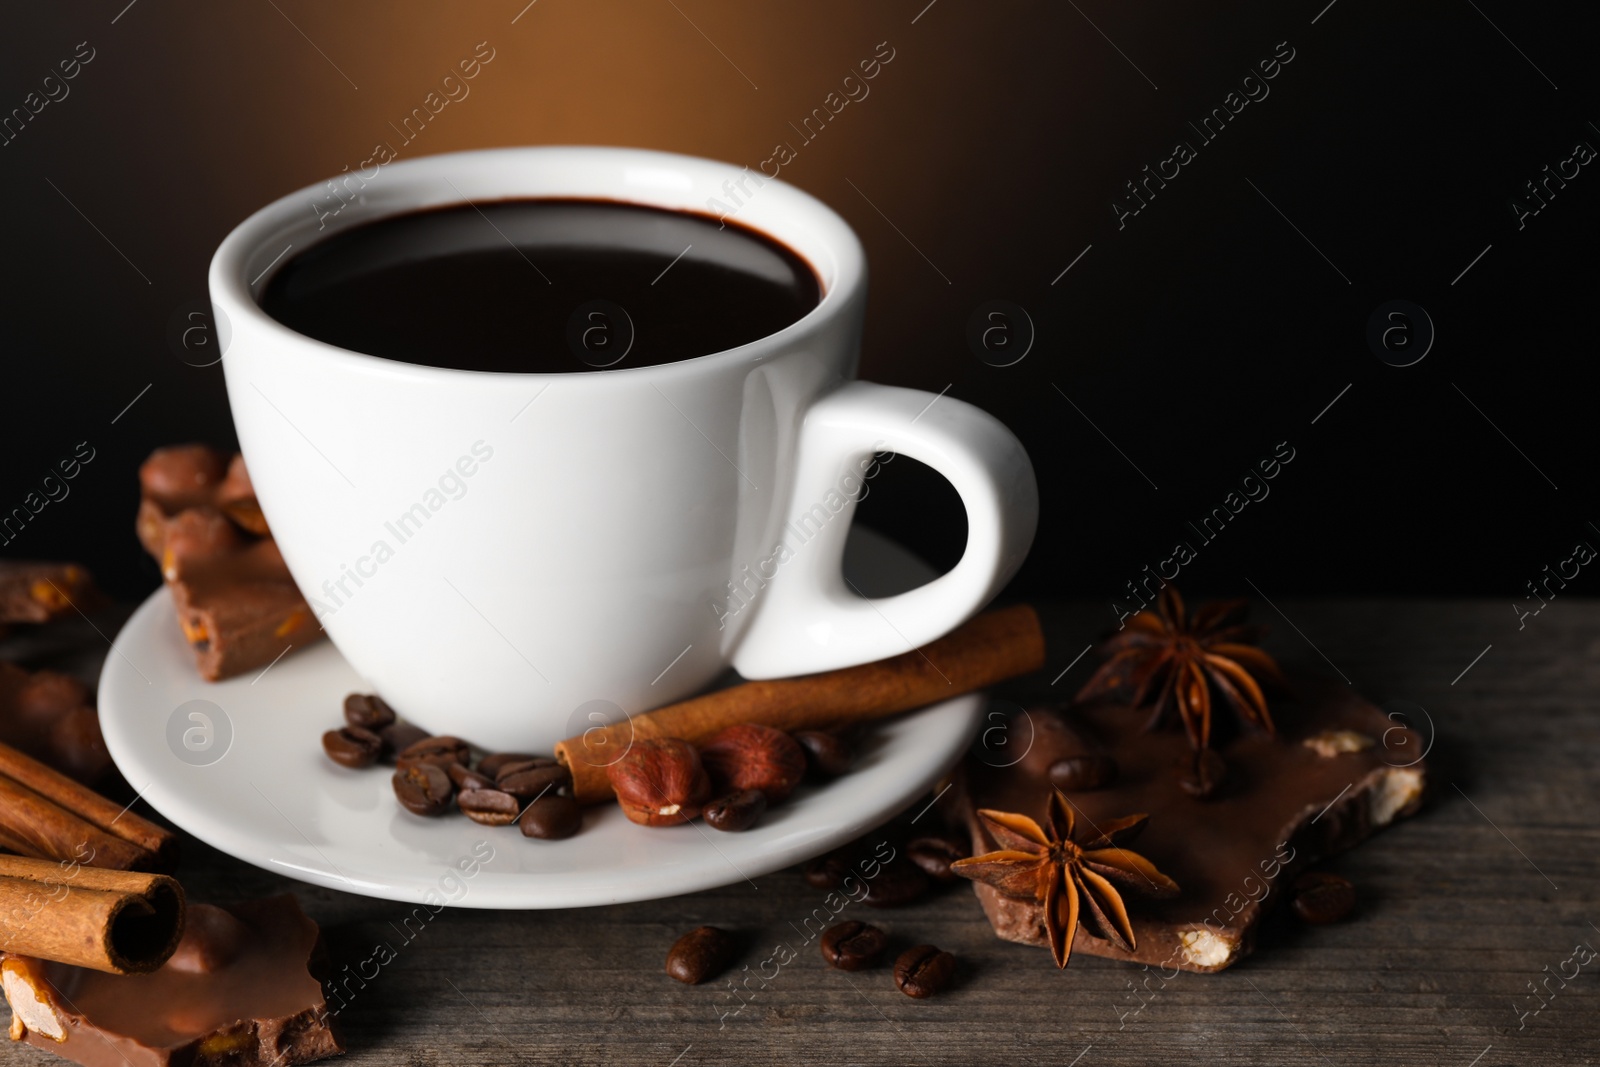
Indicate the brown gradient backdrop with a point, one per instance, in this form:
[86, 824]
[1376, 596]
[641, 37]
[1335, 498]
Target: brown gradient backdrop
[1195, 339]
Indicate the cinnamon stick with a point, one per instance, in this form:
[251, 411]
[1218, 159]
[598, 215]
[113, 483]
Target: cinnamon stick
[111, 819]
[987, 649]
[122, 922]
[42, 829]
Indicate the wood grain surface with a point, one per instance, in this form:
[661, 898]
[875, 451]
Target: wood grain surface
[1461, 909]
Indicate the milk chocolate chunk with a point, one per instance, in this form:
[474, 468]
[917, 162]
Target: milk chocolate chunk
[33, 592]
[182, 476]
[239, 609]
[51, 717]
[243, 989]
[1234, 854]
[174, 480]
[237, 605]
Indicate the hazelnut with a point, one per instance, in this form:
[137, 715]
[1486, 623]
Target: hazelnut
[1330, 743]
[752, 756]
[660, 782]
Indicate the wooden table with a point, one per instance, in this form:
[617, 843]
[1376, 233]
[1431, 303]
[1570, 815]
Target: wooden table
[1462, 908]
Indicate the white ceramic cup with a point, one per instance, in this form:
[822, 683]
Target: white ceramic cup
[496, 553]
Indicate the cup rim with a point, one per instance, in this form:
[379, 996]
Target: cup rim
[836, 256]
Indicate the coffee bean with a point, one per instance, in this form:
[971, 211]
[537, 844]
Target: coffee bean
[443, 750]
[423, 788]
[521, 763]
[736, 811]
[1202, 774]
[853, 946]
[701, 954]
[367, 711]
[552, 817]
[465, 778]
[1321, 897]
[534, 781]
[898, 882]
[490, 765]
[827, 754]
[935, 853]
[1077, 773]
[398, 736]
[352, 746]
[923, 970]
[826, 872]
[489, 806]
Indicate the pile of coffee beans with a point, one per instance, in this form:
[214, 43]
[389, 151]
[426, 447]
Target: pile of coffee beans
[729, 781]
[431, 772]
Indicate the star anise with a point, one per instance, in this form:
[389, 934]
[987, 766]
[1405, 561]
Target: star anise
[1072, 879]
[1179, 659]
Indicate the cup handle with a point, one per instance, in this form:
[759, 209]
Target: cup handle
[807, 618]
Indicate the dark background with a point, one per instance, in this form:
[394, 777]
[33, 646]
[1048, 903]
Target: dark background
[1173, 356]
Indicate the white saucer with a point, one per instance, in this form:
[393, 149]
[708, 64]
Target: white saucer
[272, 798]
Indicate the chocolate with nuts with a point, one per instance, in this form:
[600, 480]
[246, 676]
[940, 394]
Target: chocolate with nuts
[243, 988]
[237, 606]
[1236, 853]
[51, 717]
[40, 592]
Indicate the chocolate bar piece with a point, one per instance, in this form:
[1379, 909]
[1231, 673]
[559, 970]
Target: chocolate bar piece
[237, 605]
[243, 988]
[1337, 771]
[180, 477]
[51, 717]
[39, 592]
